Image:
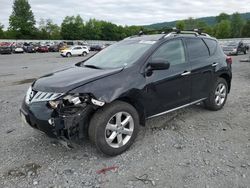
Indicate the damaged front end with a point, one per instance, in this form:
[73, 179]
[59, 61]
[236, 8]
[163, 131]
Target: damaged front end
[71, 115]
[65, 117]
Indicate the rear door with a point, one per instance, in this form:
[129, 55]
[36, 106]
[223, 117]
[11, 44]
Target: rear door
[202, 67]
[77, 50]
[168, 89]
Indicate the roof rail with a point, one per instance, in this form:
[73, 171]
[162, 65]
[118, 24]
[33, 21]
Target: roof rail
[195, 32]
[175, 31]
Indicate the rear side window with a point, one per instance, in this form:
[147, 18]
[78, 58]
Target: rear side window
[172, 51]
[197, 48]
[212, 45]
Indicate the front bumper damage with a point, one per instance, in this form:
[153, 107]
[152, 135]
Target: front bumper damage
[64, 122]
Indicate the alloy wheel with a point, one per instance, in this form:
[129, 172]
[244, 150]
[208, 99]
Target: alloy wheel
[119, 129]
[220, 94]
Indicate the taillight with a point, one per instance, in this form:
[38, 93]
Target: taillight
[229, 60]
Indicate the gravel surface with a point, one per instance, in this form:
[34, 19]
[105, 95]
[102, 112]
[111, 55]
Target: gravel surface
[192, 147]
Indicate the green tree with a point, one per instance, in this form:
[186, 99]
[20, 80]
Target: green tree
[72, 28]
[42, 33]
[132, 30]
[49, 30]
[246, 30]
[222, 16]
[180, 24]
[93, 30]
[223, 29]
[109, 31]
[190, 24]
[1, 31]
[237, 24]
[22, 21]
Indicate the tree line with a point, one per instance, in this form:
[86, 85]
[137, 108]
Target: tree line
[227, 26]
[22, 25]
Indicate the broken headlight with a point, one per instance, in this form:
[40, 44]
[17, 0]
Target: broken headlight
[75, 100]
[69, 100]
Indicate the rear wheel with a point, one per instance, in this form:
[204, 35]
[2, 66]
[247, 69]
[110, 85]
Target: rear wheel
[114, 128]
[218, 96]
[84, 53]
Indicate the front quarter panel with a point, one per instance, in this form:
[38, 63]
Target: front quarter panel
[115, 86]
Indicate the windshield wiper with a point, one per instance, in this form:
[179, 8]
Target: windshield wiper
[91, 66]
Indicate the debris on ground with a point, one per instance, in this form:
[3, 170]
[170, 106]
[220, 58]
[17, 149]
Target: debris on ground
[104, 170]
[10, 131]
[29, 169]
[145, 179]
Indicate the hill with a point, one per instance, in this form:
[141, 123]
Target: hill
[211, 20]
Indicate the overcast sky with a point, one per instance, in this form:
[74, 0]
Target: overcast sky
[127, 12]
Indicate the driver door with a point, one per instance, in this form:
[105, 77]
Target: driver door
[171, 88]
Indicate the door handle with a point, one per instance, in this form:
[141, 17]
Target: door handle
[185, 73]
[214, 64]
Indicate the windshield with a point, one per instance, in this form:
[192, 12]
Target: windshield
[120, 54]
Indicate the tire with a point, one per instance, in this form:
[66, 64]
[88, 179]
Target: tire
[68, 54]
[245, 52]
[100, 133]
[218, 96]
[84, 53]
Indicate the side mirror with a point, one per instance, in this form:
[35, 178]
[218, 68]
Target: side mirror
[158, 64]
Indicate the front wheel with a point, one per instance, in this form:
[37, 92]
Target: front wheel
[218, 96]
[84, 53]
[68, 54]
[114, 128]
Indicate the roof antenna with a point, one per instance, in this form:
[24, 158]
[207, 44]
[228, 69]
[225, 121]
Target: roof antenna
[178, 31]
[140, 33]
[198, 30]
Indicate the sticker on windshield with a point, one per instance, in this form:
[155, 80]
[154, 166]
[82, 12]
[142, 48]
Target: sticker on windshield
[147, 42]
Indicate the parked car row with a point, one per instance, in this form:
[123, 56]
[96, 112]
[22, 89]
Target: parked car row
[9, 48]
[235, 48]
[66, 49]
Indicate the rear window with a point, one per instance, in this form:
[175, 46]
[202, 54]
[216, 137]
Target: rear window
[196, 48]
[212, 45]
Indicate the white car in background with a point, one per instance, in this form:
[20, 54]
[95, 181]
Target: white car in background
[75, 51]
[18, 50]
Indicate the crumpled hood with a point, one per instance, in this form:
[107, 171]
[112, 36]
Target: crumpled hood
[67, 79]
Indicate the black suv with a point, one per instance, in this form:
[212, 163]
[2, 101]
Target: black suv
[108, 96]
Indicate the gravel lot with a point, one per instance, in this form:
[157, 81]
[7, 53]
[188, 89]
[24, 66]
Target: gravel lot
[192, 147]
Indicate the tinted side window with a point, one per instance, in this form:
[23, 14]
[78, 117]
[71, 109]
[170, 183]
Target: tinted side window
[172, 51]
[212, 45]
[197, 48]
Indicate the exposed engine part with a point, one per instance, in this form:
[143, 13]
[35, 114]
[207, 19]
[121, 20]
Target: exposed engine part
[73, 99]
[70, 121]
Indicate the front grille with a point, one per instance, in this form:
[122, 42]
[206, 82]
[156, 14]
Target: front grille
[39, 96]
